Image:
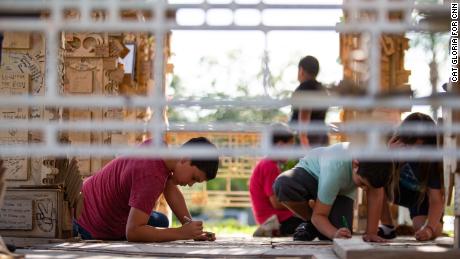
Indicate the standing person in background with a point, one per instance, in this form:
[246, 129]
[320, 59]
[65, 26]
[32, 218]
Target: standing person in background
[308, 70]
[419, 186]
[265, 206]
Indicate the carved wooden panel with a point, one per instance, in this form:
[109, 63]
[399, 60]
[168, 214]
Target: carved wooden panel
[16, 40]
[80, 82]
[83, 76]
[46, 212]
[86, 44]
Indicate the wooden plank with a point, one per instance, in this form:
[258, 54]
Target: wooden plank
[16, 40]
[30, 241]
[356, 248]
[195, 249]
[427, 252]
[16, 214]
[298, 252]
[328, 254]
[12, 83]
[344, 248]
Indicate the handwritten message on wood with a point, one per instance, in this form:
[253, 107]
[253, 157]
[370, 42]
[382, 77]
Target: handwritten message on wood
[13, 83]
[17, 166]
[16, 214]
[26, 63]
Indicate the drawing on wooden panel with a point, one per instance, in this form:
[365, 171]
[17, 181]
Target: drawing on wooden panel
[16, 167]
[45, 214]
[16, 214]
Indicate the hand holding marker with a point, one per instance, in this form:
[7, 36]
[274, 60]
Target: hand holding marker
[189, 220]
[344, 222]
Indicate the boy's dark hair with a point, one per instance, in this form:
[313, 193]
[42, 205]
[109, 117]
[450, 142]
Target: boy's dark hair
[377, 173]
[208, 165]
[428, 139]
[310, 65]
[281, 132]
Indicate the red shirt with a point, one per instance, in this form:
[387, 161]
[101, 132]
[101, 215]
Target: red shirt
[260, 188]
[121, 184]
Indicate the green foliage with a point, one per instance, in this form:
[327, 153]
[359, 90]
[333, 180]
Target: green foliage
[288, 165]
[216, 184]
[223, 227]
[239, 185]
[229, 226]
[211, 68]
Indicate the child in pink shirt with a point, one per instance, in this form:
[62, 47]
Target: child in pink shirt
[264, 202]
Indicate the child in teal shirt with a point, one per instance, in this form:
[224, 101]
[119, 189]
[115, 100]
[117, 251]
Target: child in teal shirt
[321, 190]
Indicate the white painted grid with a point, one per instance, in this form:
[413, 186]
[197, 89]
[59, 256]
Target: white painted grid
[159, 26]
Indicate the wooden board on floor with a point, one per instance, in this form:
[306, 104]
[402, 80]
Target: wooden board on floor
[223, 247]
[345, 247]
[356, 248]
[248, 247]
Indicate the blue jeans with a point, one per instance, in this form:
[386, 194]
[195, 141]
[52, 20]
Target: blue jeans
[156, 219]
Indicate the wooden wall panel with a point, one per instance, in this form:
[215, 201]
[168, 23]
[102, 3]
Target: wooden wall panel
[46, 213]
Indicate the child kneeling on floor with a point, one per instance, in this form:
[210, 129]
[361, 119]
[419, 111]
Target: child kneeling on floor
[320, 189]
[274, 219]
[419, 186]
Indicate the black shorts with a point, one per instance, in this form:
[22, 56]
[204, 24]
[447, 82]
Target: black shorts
[295, 185]
[299, 185]
[410, 199]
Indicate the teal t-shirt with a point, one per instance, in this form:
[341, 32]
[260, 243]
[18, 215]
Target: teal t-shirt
[334, 174]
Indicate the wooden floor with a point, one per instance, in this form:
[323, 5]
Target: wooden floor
[238, 247]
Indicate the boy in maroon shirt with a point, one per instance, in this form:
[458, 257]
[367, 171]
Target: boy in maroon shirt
[119, 199]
